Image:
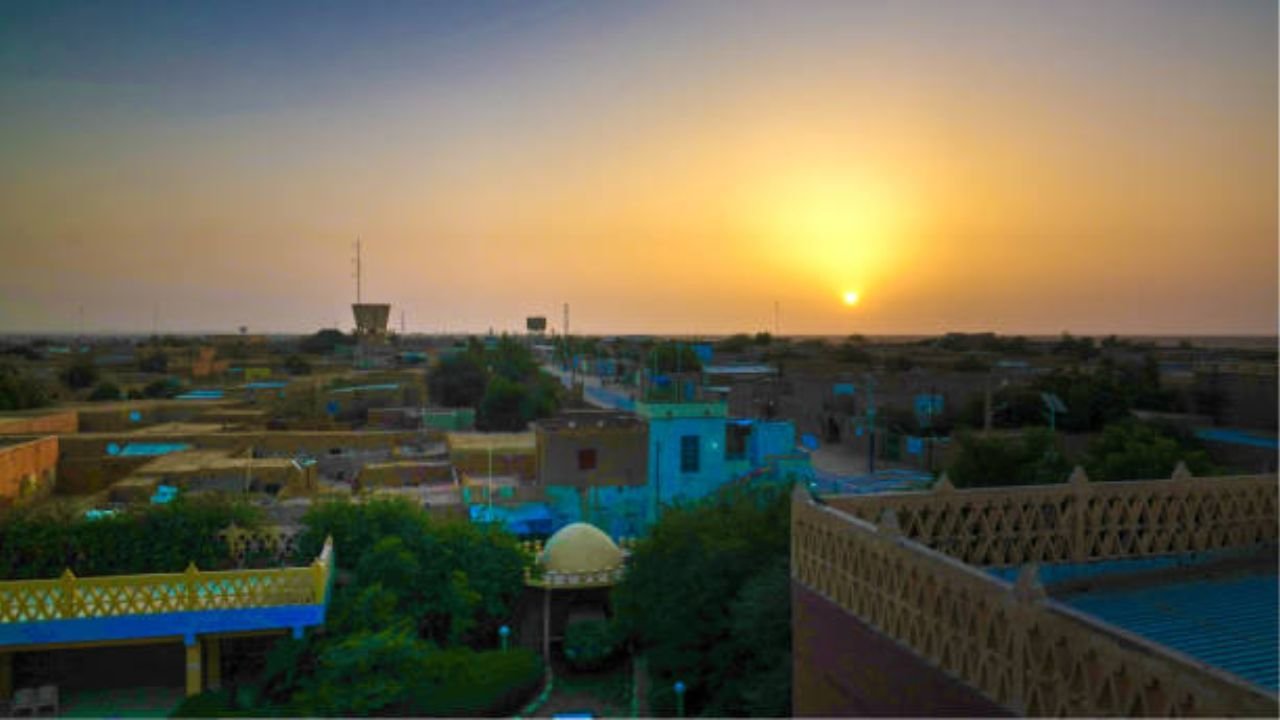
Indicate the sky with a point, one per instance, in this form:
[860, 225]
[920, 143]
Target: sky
[663, 167]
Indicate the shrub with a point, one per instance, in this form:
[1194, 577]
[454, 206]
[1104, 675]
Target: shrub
[106, 390]
[589, 644]
[487, 684]
[20, 391]
[157, 539]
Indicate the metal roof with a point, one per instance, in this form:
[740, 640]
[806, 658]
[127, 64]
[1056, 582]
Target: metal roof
[1231, 622]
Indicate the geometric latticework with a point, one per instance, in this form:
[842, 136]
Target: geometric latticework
[70, 597]
[1081, 521]
[1019, 648]
[278, 542]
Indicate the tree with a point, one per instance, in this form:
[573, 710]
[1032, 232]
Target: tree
[154, 362]
[20, 391]
[297, 365]
[325, 341]
[670, 357]
[705, 573]
[80, 374]
[458, 380]
[1138, 451]
[106, 390]
[502, 407]
[1031, 459]
[162, 388]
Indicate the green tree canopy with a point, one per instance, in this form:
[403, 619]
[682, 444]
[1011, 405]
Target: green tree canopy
[458, 380]
[1138, 451]
[1030, 459]
[701, 598]
[19, 390]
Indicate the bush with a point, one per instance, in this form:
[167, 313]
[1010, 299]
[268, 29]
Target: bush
[156, 539]
[485, 684]
[154, 362]
[297, 365]
[20, 391]
[589, 644]
[162, 388]
[80, 374]
[106, 390]
[1031, 459]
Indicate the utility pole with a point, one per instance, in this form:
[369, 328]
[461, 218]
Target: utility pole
[871, 423]
[357, 269]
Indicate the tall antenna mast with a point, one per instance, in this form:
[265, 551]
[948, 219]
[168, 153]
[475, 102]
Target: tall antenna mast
[357, 269]
[776, 330]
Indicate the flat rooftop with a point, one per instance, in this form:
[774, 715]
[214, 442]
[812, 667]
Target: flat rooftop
[1231, 622]
[1222, 609]
[481, 442]
[584, 420]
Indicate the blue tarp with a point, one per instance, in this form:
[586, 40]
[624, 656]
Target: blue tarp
[146, 449]
[1237, 437]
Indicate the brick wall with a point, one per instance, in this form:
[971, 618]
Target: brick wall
[28, 470]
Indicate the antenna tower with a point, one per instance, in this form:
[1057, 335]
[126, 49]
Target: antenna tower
[357, 274]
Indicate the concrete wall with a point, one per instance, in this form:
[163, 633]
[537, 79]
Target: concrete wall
[621, 456]
[28, 470]
[670, 483]
[841, 667]
[66, 421]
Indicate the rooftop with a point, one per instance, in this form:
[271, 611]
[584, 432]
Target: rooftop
[499, 442]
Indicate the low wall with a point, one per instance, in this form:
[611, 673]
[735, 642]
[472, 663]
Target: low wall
[67, 421]
[28, 470]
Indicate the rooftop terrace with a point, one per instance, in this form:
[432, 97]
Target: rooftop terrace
[935, 571]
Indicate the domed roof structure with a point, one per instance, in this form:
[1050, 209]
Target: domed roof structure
[580, 548]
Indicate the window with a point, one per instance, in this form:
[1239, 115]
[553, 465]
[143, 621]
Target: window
[689, 454]
[735, 441]
[587, 459]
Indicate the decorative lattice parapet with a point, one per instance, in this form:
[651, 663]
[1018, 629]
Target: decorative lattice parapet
[1007, 641]
[573, 580]
[278, 543]
[70, 597]
[1079, 521]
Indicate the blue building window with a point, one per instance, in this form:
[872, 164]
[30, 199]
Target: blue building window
[689, 460]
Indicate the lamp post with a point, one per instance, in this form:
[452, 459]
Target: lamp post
[503, 633]
[679, 688]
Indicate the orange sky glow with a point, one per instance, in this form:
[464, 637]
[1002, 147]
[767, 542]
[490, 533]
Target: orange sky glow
[1017, 167]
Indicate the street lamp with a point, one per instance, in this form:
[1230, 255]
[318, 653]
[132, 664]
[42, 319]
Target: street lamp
[503, 633]
[679, 688]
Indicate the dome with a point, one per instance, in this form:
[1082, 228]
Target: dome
[578, 548]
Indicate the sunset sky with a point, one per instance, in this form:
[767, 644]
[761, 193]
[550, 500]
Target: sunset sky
[667, 167]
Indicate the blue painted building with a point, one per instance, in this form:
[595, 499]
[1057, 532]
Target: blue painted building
[618, 474]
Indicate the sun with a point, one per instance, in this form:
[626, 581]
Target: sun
[851, 298]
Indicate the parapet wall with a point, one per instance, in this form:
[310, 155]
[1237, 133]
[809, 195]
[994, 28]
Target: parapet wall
[1019, 649]
[66, 421]
[28, 470]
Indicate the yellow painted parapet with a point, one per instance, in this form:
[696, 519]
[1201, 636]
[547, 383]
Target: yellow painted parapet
[70, 597]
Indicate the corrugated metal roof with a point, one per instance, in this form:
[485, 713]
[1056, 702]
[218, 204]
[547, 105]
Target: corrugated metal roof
[1231, 622]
